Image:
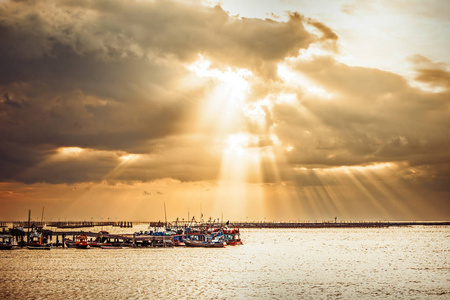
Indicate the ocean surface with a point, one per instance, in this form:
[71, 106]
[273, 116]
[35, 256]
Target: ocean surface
[368, 263]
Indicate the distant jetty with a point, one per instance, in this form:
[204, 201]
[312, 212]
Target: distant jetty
[361, 224]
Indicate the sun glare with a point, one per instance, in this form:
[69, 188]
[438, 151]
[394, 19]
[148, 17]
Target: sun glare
[308, 86]
[237, 142]
[227, 116]
[129, 157]
[222, 108]
[202, 68]
[70, 150]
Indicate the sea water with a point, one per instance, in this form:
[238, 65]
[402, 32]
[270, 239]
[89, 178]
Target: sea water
[358, 263]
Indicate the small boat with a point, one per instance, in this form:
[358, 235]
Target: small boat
[36, 242]
[204, 244]
[80, 242]
[98, 245]
[39, 247]
[178, 241]
[110, 247]
[5, 246]
[232, 236]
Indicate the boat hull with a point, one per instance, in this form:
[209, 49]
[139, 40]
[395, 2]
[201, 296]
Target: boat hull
[70, 244]
[5, 246]
[77, 245]
[98, 245]
[234, 243]
[190, 243]
[110, 247]
[179, 244]
[39, 247]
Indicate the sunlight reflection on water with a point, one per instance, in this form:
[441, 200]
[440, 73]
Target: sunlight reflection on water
[408, 263]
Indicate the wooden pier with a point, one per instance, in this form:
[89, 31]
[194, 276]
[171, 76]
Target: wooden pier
[57, 238]
[72, 224]
[125, 240]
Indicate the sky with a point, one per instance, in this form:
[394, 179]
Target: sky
[242, 110]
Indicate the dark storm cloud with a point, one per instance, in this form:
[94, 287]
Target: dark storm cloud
[108, 75]
[106, 31]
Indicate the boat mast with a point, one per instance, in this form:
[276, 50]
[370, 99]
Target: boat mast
[165, 214]
[42, 217]
[28, 230]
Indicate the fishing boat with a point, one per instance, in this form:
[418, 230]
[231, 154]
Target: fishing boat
[232, 236]
[43, 247]
[80, 242]
[36, 242]
[204, 244]
[213, 240]
[100, 240]
[110, 247]
[178, 240]
[6, 244]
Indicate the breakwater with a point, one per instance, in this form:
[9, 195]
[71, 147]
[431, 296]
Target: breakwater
[361, 224]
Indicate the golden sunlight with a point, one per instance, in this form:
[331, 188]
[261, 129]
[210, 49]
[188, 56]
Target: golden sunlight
[222, 108]
[308, 86]
[70, 150]
[129, 157]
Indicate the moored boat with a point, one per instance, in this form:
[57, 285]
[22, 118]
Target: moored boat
[98, 245]
[39, 247]
[110, 247]
[232, 236]
[204, 244]
[36, 242]
[214, 240]
[80, 242]
[5, 246]
[178, 240]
